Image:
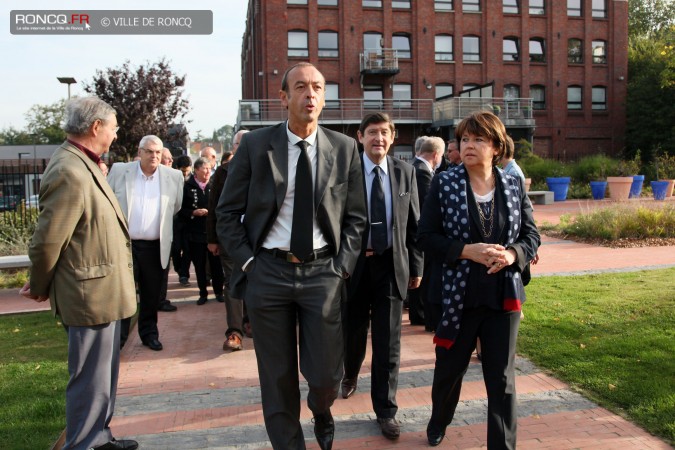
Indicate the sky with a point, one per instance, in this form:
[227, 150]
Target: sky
[212, 63]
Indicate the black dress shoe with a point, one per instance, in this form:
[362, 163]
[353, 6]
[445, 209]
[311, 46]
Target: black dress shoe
[324, 430]
[435, 434]
[390, 427]
[154, 344]
[202, 300]
[126, 444]
[220, 298]
[348, 387]
[166, 306]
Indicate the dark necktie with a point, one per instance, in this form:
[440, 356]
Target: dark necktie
[302, 235]
[378, 214]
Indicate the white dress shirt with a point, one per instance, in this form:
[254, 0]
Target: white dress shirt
[369, 175]
[144, 211]
[280, 233]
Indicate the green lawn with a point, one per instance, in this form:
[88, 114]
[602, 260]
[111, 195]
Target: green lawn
[33, 378]
[613, 337]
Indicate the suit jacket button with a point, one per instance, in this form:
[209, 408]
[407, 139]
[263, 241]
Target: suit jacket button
[131, 265]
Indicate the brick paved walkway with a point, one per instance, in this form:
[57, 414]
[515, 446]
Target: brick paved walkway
[192, 395]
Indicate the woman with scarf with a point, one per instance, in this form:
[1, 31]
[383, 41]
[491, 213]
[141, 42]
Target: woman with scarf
[478, 221]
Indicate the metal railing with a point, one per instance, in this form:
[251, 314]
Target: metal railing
[379, 60]
[19, 180]
[457, 108]
[264, 112]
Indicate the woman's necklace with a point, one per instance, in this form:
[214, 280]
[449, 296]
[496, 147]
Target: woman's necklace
[481, 215]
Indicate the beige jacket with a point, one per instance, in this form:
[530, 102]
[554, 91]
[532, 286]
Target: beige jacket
[81, 251]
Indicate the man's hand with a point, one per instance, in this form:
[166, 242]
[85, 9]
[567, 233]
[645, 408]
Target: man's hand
[414, 282]
[200, 212]
[25, 292]
[214, 248]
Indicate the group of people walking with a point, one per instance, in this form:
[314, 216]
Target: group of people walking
[322, 240]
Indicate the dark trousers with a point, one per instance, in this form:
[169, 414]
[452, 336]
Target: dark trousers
[149, 276]
[498, 332]
[199, 254]
[415, 307]
[234, 307]
[180, 253]
[377, 301]
[165, 284]
[280, 296]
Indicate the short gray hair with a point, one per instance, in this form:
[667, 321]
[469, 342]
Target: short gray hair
[201, 161]
[418, 143]
[433, 144]
[150, 138]
[82, 112]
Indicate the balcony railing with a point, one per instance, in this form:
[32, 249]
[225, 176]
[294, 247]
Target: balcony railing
[379, 61]
[265, 112]
[457, 108]
[513, 112]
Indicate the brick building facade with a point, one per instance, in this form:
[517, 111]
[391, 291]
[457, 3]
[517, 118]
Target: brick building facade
[554, 71]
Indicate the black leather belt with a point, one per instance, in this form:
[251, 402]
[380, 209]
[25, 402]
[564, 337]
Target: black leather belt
[291, 258]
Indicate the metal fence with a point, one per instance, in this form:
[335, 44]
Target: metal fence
[19, 188]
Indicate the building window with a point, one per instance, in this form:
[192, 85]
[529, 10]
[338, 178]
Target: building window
[574, 8]
[510, 49]
[327, 2]
[470, 90]
[537, 8]
[332, 96]
[599, 98]
[471, 5]
[443, 90]
[402, 95]
[511, 91]
[372, 97]
[599, 9]
[599, 52]
[297, 43]
[537, 50]
[575, 53]
[471, 48]
[538, 94]
[510, 7]
[443, 5]
[574, 98]
[328, 44]
[400, 4]
[296, 2]
[372, 3]
[372, 42]
[401, 43]
[443, 48]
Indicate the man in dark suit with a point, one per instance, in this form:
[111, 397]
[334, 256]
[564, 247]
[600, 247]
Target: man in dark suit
[291, 217]
[427, 158]
[388, 265]
[81, 261]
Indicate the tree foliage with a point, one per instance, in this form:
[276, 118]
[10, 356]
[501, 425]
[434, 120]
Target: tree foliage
[224, 134]
[651, 78]
[44, 121]
[148, 100]
[12, 136]
[649, 18]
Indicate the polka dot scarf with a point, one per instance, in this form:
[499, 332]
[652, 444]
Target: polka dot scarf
[456, 222]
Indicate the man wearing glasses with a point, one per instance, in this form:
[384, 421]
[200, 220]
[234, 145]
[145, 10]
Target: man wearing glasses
[150, 195]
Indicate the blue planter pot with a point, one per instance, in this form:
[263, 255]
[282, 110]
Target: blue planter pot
[659, 189]
[559, 186]
[598, 189]
[636, 186]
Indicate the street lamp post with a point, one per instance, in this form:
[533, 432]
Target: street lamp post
[22, 174]
[68, 81]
